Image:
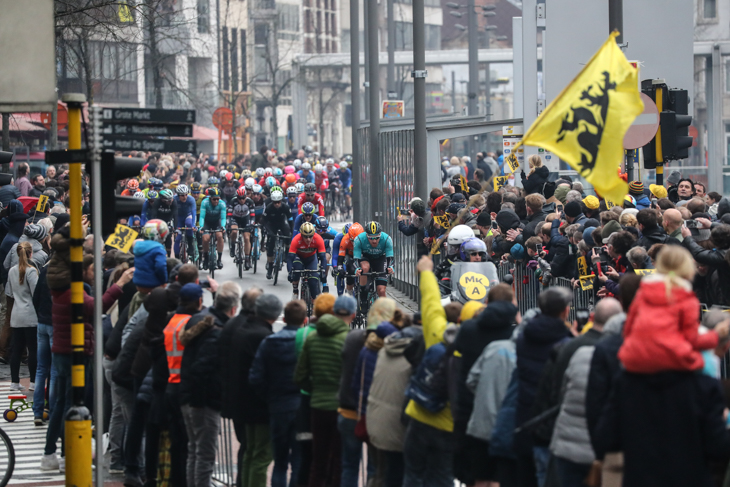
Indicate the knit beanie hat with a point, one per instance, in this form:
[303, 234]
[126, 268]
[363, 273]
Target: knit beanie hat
[573, 209]
[636, 188]
[35, 231]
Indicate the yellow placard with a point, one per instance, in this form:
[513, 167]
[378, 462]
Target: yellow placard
[586, 283]
[644, 272]
[475, 285]
[435, 247]
[512, 163]
[122, 238]
[500, 182]
[582, 266]
[463, 182]
[42, 199]
[610, 204]
[443, 221]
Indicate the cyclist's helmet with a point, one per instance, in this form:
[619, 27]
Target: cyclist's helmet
[300, 188]
[231, 168]
[308, 208]
[291, 191]
[458, 235]
[310, 188]
[271, 181]
[213, 181]
[132, 185]
[297, 163]
[355, 230]
[260, 172]
[182, 190]
[166, 195]
[151, 194]
[249, 183]
[318, 168]
[139, 195]
[257, 188]
[195, 187]
[322, 223]
[229, 176]
[246, 174]
[276, 188]
[290, 170]
[278, 172]
[156, 230]
[343, 165]
[473, 246]
[222, 174]
[290, 178]
[346, 228]
[277, 196]
[213, 193]
[268, 171]
[373, 229]
[306, 166]
[307, 230]
[348, 159]
[241, 192]
[330, 161]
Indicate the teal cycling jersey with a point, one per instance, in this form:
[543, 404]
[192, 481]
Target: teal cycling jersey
[212, 213]
[362, 248]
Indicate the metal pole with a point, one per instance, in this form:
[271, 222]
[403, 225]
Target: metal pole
[376, 169]
[420, 158]
[366, 48]
[53, 138]
[473, 59]
[616, 19]
[453, 91]
[96, 211]
[392, 95]
[488, 83]
[355, 102]
[529, 71]
[717, 130]
[6, 132]
[78, 418]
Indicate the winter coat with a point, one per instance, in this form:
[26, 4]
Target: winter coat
[362, 376]
[501, 444]
[669, 425]
[536, 180]
[350, 352]
[8, 193]
[570, 437]
[16, 223]
[122, 369]
[531, 226]
[39, 257]
[231, 367]
[496, 322]
[642, 202]
[273, 371]
[715, 259]
[488, 381]
[150, 264]
[386, 400]
[246, 343]
[320, 363]
[200, 372]
[42, 299]
[662, 332]
[653, 236]
[534, 346]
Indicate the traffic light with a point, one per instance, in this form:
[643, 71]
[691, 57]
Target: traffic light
[115, 207]
[652, 88]
[674, 124]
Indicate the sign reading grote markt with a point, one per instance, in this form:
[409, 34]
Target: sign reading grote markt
[143, 129]
[148, 115]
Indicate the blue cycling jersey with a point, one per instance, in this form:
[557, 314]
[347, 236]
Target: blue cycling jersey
[336, 248]
[345, 177]
[185, 209]
[298, 223]
[362, 248]
[309, 177]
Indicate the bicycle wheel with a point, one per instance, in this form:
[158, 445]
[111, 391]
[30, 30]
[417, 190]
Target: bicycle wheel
[7, 458]
[213, 259]
[304, 283]
[239, 256]
[255, 251]
[277, 262]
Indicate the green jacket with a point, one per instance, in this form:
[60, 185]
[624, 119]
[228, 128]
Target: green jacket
[320, 363]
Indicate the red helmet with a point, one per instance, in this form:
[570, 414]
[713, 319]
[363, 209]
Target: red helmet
[241, 191]
[229, 176]
[132, 185]
[290, 178]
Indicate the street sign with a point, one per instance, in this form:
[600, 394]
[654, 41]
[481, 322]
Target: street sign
[124, 143]
[141, 129]
[61, 118]
[644, 127]
[147, 115]
[223, 119]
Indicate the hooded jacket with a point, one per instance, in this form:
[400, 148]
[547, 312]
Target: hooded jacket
[534, 183]
[150, 264]
[273, 370]
[715, 259]
[642, 202]
[365, 367]
[38, 258]
[496, 322]
[16, 224]
[320, 363]
[231, 368]
[653, 236]
[385, 400]
[662, 331]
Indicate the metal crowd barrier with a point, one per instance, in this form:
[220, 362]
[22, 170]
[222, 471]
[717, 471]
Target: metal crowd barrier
[226, 460]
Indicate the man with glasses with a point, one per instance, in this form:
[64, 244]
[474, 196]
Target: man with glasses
[373, 252]
[242, 216]
[213, 218]
[307, 215]
[311, 196]
[275, 220]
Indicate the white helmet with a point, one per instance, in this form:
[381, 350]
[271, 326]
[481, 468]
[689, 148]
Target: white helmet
[268, 171]
[276, 196]
[343, 165]
[458, 235]
[260, 172]
[291, 191]
[249, 183]
[258, 189]
[318, 168]
[222, 174]
[306, 166]
[140, 195]
[297, 163]
[299, 187]
[330, 161]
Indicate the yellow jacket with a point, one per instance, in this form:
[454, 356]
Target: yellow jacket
[434, 321]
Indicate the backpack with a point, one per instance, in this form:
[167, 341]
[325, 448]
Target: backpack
[429, 386]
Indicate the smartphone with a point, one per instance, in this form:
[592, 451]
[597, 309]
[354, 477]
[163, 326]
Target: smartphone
[653, 202]
[692, 224]
[538, 249]
[582, 315]
[494, 225]
[559, 208]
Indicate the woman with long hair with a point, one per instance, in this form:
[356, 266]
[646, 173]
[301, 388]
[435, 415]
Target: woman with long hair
[22, 280]
[534, 182]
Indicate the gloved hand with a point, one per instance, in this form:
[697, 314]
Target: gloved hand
[290, 277]
[323, 275]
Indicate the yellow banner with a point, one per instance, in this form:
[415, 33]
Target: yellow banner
[464, 185]
[122, 238]
[42, 199]
[582, 266]
[585, 125]
[586, 283]
[511, 161]
[435, 246]
[644, 272]
[443, 221]
[500, 182]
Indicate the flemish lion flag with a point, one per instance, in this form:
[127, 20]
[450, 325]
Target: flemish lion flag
[586, 123]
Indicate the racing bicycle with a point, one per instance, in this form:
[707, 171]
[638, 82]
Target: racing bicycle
[255, 246]
[240, 258]
[363, 304]
[212, 250]
[279, 255]
[304, 276]
[182, 253]
[7, 458]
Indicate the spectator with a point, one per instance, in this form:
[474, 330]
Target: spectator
[574, 213]
[535, 214]
[715, 258]
[39, 186]
[636, 189]
[534, 182]
[22, 183]
[651, 233]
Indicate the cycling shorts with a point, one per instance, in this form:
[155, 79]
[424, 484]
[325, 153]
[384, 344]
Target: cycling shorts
[377, 264]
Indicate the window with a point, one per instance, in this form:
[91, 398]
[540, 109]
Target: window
[433, 37]
[727, 76]
[709, 9]
[288, 17]
[261, 34]
[403, 36]
[128, 64]
[261, 67]
[345, 40]
[203, 16]
[284, 76]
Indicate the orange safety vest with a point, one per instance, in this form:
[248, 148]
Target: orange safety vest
[173, 347]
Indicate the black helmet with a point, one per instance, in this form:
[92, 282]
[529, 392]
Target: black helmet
[372, 229]
[310, 188]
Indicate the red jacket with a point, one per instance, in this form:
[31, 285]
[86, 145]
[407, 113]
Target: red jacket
[61, 315]
[317, 201]
[661, 333]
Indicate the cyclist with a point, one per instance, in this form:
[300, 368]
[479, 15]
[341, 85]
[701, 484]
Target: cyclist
[327, 233]
[345, 176]
[163, 208]
[213, 218]
[311, 196]
[275, 220]
[185, 208]
[320, 176]
[305, 250]
[242, 217]
[373, 252]
[307, 215]
[339, 279]
[230, 187]
[132, 187]
[306, 172]
[260, 176]
[346, 260]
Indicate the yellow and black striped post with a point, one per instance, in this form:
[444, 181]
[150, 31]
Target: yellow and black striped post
[78, 419]
[659, 154]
